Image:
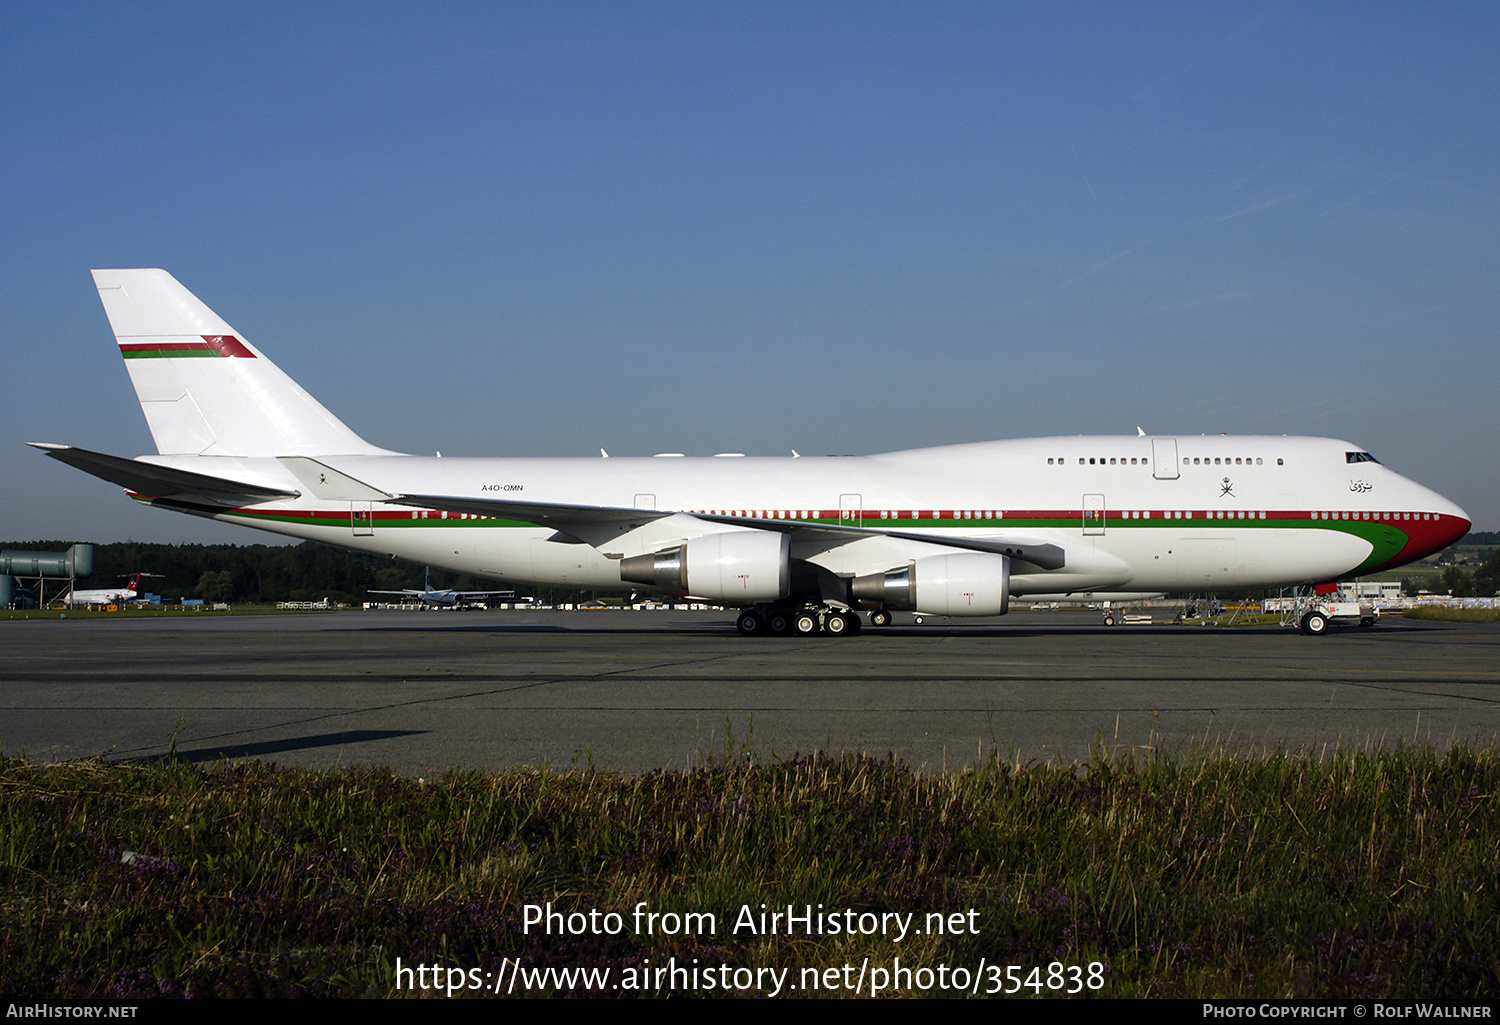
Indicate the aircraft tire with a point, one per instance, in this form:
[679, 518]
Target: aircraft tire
[750, 624]
[880, 617]
[779, 623]
[805, 624]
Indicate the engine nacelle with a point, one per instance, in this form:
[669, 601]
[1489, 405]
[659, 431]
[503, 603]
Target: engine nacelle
[960, 584]
[735, 565]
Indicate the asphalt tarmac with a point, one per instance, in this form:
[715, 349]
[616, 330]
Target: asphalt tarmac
[424, 692]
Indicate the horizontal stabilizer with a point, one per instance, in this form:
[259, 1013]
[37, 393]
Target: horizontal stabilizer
[162, 481]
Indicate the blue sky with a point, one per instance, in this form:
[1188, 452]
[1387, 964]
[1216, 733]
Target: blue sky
[542, 229]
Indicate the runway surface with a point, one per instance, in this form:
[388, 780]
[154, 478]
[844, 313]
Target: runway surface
[635, 691]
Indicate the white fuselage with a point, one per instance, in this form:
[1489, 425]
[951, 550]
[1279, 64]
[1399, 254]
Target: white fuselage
[1133, 514]
[100, 596]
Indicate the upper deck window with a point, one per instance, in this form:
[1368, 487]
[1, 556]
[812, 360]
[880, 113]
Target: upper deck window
[1359, 457]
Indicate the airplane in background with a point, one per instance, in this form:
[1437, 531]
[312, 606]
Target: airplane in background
[797, 545]
[107, 595]
[429, 595]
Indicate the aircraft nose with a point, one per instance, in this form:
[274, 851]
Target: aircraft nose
[1433, 524]
[1455, 521]
[1449, 523]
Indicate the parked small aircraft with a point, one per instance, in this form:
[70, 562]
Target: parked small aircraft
[107, 595]
[797, 544]
[429, 595]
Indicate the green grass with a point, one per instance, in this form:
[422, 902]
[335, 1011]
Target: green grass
[1438, 614]
[1356, 874]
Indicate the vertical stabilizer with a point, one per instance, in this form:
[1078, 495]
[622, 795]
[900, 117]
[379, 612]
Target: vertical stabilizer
[204, 389]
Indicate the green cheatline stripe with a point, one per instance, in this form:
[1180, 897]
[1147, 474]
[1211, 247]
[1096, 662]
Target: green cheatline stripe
[1386, 542]
[171, 354]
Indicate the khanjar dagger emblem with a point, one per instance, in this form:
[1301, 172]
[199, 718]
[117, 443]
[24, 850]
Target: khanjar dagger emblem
[1226, 488]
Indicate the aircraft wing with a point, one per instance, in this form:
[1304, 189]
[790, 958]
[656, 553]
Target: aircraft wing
[597, 524]
[1042, 554]
[163, 481]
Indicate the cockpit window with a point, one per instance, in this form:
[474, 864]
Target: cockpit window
[1359, 457]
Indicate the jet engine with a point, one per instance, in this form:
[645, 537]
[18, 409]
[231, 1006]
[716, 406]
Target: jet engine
[960, 584]
[735, 565]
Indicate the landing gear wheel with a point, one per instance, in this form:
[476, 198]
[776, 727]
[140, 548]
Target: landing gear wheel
[836, 624]
[1109, 619]
[880, 618]
[1367, 622]
[805, 623]
[1314, 623]
[750, 624]
[780, 623]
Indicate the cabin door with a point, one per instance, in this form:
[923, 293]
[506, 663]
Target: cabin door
[1164, 458]
[1093, 514]
[361, 519]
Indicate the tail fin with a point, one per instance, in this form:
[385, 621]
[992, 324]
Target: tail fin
[203, 388]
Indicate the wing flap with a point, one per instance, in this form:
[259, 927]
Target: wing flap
[1039, 553]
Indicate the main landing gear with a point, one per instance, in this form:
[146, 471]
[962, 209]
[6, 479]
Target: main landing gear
[806, 620]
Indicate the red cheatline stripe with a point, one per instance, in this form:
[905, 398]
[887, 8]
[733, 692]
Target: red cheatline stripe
[228, 345]
[212, 345]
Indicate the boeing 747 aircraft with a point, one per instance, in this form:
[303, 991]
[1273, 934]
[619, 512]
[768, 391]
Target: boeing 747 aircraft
[796, 544]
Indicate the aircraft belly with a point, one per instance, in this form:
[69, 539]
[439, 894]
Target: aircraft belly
[573, 565]
[1211, 559]
[1268, 558]
[518, 555]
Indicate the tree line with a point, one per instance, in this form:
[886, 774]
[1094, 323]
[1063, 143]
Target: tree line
[310, 571]
[1482, 583]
